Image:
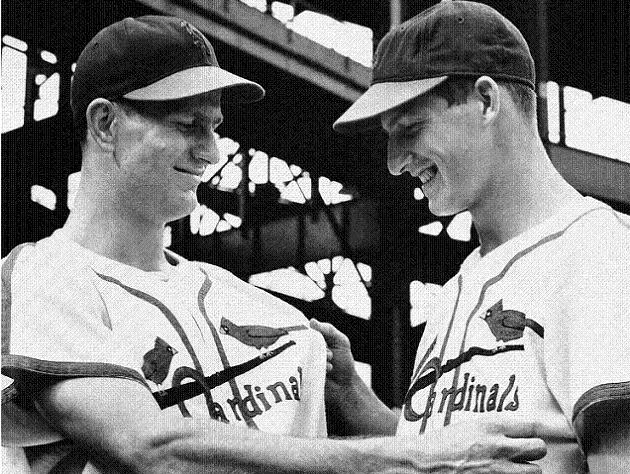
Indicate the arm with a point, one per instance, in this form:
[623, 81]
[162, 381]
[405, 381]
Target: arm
[122, 429]
[348, 399]
[607, 436]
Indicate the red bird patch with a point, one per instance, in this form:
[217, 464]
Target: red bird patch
[254, 335]
[507, 325]
[157, 362]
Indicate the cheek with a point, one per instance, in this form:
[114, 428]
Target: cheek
[156, 152]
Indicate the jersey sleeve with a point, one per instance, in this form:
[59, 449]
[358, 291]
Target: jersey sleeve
[55, 326]
[587, 340]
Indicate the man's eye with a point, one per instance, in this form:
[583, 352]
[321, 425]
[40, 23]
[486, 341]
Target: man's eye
[186, 126]
[412, 129]
[415, 126]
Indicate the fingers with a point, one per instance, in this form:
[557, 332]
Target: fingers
[522, 449]
[332, 336]
[516, 428]
[516, 468]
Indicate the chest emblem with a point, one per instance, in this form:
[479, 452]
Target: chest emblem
[507, 325]
[254, 335]
[157, 361]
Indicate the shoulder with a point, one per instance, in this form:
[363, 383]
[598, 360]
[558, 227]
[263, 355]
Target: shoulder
[44, 285]
[599, 238]
[247, 294]
[46, 265]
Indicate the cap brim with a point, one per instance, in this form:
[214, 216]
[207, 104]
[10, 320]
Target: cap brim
[199, 80]
[365, 113]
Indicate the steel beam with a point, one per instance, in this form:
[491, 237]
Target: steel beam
[264, 37]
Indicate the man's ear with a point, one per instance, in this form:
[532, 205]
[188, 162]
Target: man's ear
[487, 93]
[101, 116]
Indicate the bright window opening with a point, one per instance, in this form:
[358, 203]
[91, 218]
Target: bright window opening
[47, 105]
[421, 296]
[434, 228]
[364, 371]
[460, 227]
[13, 84]
[43, 196]
[288, 281]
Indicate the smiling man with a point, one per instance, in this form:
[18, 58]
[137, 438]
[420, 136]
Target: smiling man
[534, 324]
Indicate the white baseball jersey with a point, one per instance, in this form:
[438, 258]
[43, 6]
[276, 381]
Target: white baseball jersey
[537, 328]
[69, 312]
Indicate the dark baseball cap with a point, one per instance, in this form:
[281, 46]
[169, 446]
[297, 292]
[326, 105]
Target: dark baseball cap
[452, 38]
[152, 58]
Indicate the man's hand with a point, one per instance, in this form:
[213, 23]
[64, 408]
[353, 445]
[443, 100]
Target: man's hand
[498, 447]
[506, 445]
[352, 408]
[340, 368]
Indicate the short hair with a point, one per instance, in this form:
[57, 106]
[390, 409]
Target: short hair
[456, 90]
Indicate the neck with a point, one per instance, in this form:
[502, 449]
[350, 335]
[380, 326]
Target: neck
[98, 224]
[527, 192]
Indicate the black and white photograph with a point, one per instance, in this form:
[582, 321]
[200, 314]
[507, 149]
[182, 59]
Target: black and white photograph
[315, 236]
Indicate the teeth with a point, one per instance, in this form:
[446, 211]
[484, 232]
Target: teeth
[427, 175]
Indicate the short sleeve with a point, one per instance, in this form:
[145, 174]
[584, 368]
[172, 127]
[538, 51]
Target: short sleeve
[54, 327]
[587, 340]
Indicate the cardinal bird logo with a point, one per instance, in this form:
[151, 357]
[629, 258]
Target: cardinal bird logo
[256, 336]
[157, 361]
[507, 325]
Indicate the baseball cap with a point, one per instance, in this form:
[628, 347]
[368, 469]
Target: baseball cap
[451, 38]
[152, 58]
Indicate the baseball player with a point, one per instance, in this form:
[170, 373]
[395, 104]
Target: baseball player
[534, 324]
[121, 356]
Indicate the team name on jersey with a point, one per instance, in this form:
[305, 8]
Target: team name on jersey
[465, 396]
[259, 399]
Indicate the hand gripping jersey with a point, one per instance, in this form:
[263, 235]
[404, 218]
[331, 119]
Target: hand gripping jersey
[68, 312]
[536, 329]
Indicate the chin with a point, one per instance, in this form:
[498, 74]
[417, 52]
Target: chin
[181, 208]
[443, 209]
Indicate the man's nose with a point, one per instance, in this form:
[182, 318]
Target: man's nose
[397, 157]
[206, 149]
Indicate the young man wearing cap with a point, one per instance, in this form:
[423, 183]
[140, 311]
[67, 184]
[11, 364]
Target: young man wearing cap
[126, 357]
[533, 325]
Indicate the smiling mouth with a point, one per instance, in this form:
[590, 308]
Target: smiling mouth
[193, 173]
[428, 174]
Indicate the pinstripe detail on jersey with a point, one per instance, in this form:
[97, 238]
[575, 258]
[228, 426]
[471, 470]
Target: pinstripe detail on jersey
[448, 332]
[7, 273]
[14, 365]
[10, 392]
[203, 292]
[178, 328]
[438, 372]
[164, 310]
[499, 277]
[450, 324]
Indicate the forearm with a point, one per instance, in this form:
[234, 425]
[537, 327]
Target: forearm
[122, 430]
[225, 448]
[360, 412]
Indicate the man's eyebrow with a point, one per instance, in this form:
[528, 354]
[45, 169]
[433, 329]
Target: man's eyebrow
[215, 120]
